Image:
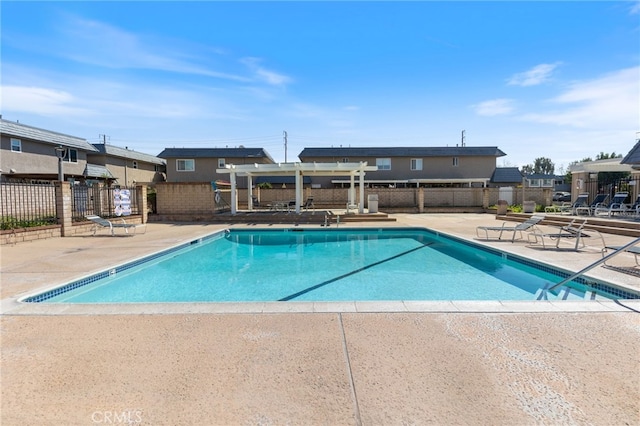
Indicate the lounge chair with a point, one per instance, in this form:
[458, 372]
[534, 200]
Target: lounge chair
[581, 201]
[309, 204]
[617, 205]
[635, 208]
[557, 208]
[112, 225]
[633, 250]
[255, 202]
[598, 203]
[575, 229]
[524, 226]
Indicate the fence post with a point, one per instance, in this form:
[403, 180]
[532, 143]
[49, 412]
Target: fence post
[485, 198]
[420, 200]
[63, 207]
[142, 203]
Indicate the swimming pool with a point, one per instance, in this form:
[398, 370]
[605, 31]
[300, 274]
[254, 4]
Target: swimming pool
[325, 265]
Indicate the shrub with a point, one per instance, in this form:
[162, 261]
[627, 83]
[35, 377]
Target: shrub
[10, 222]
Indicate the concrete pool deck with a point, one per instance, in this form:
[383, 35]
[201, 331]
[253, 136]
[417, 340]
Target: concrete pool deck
[439, 363]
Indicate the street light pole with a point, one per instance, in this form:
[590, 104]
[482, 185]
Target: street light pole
[60, 153]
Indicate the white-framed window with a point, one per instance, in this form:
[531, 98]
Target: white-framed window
[16, 145]
[134, 165]
[541, 183]
[416, 164]
[186, 165]
[455, 161]
[345, 160]
[71, 156]
[157, 168]
[383, 163]
[221, 163]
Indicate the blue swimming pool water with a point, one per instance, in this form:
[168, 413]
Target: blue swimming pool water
[320, 265]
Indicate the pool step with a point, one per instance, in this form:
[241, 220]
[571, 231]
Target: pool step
[564, 293]
[567, 293]
[366, 217]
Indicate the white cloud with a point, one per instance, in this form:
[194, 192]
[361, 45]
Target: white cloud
[533, 77]
[96, 43]
[40, 100]
[270, 77]
[494, 107]
[611, 101]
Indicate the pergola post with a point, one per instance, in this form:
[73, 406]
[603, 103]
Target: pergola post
[361, 207]
[298, 190]
[250, 192]
[352, 189]
[234, 197]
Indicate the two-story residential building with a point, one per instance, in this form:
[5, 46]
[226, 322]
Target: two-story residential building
[31, 154]
[127, 166]
[412, 166]
[200, 164]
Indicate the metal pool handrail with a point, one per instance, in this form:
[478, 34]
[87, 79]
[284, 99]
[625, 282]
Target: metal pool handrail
[594, 264]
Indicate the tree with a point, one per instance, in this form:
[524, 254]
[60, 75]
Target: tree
[603, 156]
[540, 165]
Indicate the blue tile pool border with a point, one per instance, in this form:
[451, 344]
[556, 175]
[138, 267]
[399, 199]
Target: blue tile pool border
[606, 289]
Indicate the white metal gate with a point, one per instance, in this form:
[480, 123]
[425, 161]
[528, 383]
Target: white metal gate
[506, 193]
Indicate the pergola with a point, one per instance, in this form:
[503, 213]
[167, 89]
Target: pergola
[298, 170]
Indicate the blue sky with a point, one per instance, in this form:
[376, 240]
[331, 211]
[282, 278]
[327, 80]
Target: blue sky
[537, 79]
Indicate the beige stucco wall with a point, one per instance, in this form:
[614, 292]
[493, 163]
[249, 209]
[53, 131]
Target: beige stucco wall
[122, 169]
[205, 170]
[432, 168]
[37, 158]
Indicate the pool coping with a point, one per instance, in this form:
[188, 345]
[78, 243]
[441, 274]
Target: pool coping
[449, 306]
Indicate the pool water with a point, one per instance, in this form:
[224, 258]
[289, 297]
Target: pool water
[321, 265]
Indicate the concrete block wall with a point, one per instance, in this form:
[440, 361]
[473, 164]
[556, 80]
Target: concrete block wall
[178, 198]
[13, 236]
[199, 199]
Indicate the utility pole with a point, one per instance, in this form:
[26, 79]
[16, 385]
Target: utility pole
[462, 141]
[285, 145]
[104, 139]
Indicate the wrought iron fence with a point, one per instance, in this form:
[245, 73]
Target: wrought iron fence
[610, 185]
[24, 205]
[102, 201]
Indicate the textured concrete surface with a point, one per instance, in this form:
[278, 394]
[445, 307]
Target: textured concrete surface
[357, 365]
